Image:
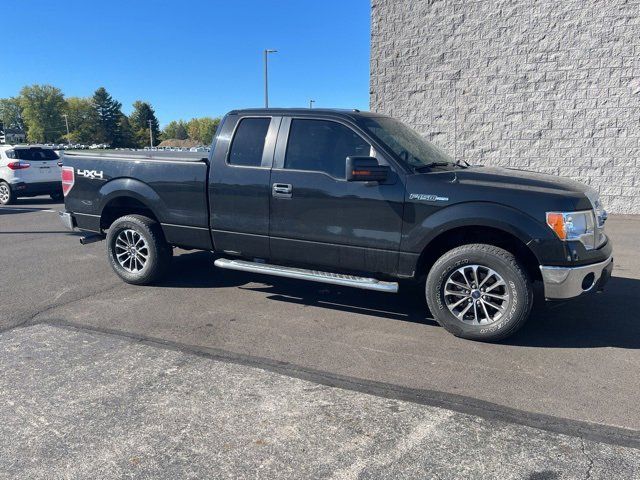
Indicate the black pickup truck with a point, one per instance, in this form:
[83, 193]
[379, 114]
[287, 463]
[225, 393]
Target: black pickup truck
[349, 198]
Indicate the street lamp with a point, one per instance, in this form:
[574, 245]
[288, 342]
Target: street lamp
[311, 102]
[266, 76]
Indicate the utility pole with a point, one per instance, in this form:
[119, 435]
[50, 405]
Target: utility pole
[66, 121]
[311, 102]
[266, 76]
[150, 133]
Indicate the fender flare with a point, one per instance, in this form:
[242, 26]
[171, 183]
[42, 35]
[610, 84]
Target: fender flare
[131, 188]
[531, 232]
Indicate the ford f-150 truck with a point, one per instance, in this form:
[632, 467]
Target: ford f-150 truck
[349, 198]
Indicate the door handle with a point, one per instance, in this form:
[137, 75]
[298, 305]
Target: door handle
[282, 190]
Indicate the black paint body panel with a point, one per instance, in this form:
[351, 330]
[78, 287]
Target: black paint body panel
[328, 223]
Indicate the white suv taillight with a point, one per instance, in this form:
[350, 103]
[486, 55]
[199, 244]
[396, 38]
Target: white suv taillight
[19, 165]
[68, 179]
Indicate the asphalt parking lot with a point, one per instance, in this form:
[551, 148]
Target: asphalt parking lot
[558, 400]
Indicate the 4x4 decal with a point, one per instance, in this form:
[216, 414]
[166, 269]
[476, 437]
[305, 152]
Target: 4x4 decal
[90, 174]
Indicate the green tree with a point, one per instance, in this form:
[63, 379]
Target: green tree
[181, 131]
[83, 120]
[108, 111]
[11, 113]
[175, 129]
[127, 135]
[142, 117]
[42, 109]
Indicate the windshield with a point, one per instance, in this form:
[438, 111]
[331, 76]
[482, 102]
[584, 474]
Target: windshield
[406, 143]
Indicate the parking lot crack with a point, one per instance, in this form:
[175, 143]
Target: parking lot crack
[33, 318]
[588, 457]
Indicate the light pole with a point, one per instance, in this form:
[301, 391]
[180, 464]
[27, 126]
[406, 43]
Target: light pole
[266, 76]
[66, 121]
[311, 102]
[150, 133]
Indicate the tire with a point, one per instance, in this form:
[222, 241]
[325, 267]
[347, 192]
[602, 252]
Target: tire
[56, 197]
[147, 235]
[513, 296]
[7, 196]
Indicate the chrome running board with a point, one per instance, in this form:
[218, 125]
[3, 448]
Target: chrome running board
[311, 275]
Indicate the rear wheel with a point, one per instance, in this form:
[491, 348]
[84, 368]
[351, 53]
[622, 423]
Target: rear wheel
[137, 250]
[479, 292]
[7, 196]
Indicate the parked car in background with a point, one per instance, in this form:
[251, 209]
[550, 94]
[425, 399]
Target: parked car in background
[27, 171]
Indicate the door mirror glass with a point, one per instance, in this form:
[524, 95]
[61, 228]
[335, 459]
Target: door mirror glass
[365, 169]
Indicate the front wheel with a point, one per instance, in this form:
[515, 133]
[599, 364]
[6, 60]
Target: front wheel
[479, 292]
[7, 197]
[137, 250]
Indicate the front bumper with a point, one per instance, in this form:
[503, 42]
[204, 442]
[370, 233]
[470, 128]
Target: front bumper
[67, 220]
[568, 282]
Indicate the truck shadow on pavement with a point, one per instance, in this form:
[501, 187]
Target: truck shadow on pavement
[608, 319]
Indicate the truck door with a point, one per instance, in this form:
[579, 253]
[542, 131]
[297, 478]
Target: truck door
[317, 217]
[239, 189]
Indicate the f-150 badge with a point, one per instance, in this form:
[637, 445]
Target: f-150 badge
[427, 198]
[90, 174]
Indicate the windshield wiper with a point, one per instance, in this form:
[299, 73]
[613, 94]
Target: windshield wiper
[419, 168]
[459, 164]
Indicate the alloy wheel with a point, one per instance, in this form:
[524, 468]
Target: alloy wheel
[476, 295]
[5, 193]
[131, 251]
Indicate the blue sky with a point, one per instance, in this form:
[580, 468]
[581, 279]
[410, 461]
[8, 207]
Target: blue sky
[191, 58]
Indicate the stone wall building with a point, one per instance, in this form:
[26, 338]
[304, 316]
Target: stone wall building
[545, 85]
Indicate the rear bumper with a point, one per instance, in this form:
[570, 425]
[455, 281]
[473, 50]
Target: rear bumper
[569, 282]
[23, 189]
[67, 220]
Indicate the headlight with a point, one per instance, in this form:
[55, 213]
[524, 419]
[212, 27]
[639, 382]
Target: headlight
[580, 226]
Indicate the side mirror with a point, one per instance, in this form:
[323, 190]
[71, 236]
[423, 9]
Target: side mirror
[366, 169]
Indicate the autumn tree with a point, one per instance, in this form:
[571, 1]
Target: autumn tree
[202, 129]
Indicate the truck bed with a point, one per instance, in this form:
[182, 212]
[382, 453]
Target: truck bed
[129, 155]
[173, 186]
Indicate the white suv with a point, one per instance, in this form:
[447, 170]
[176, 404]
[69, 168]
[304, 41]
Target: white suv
[27, 171]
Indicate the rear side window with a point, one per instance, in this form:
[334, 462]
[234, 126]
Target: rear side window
[32, 154]
[322, 146]
[248, 142]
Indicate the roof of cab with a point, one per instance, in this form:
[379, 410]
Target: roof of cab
[334, 112]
